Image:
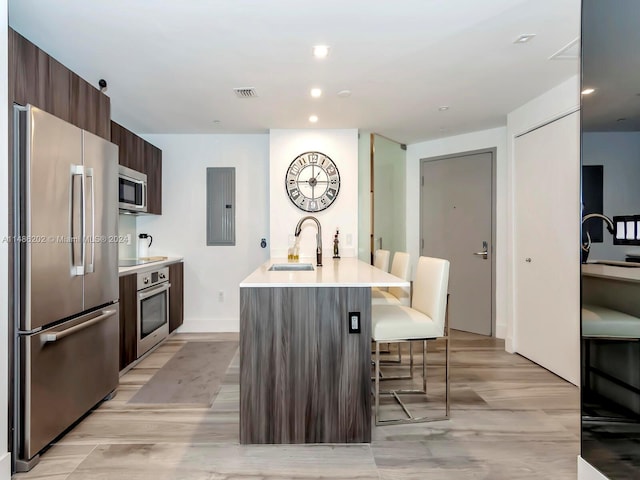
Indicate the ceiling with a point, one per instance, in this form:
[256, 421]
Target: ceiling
[171, 66]
[611, 66]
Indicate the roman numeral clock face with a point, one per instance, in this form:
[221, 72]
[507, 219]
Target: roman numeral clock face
[312, 181]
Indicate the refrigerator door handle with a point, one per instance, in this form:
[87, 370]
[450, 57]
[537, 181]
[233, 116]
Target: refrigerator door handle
[92, 239]
[77, 269]
[55, 336]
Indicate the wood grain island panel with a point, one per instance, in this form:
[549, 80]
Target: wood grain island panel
[303, 377]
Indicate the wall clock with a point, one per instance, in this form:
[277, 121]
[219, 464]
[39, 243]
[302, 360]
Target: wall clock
[312, 181]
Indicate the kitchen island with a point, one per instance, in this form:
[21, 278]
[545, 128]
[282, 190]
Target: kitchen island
[610, 386]
[305, 352]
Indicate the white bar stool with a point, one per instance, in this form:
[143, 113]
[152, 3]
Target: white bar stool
[400, 267]
[425, 320]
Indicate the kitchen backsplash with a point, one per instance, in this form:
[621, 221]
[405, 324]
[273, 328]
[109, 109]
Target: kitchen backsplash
[127, 226]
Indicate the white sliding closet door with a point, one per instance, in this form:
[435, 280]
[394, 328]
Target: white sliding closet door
[547, 246]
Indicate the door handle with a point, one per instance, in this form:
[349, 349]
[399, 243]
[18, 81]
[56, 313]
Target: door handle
[484, 253]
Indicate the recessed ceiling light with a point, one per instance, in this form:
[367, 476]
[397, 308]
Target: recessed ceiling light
[313, 118]
[344, 93]
[216, 121]
[588, 91]
[525, 38]
[320, 51]
[443, 108]
[316, 92]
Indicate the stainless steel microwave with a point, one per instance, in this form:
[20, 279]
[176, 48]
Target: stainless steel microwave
[132, 187]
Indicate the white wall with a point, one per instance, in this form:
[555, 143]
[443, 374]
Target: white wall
[559, 101]
[127, 227]
[342, 147]
[619, 153]
[493, 138]
[181, 229]
[5, 457]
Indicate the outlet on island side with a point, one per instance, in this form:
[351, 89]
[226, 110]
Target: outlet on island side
[354, 322]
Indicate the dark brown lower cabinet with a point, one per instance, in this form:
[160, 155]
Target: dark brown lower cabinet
[129, 310]
[128, 316]
[176, 295]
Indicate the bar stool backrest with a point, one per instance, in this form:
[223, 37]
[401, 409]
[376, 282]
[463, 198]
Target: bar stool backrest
[381, 259]
[430, 289]
[401, 267]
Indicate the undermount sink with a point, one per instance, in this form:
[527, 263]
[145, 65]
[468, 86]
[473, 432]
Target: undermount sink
[290, 267]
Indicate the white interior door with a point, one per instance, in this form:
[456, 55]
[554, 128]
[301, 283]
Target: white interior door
[547, 246]
[456, 223]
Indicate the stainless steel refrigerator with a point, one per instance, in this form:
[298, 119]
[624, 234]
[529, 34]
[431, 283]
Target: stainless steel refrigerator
[65, 277]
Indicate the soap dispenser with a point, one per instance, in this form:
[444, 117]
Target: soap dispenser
[144, 242]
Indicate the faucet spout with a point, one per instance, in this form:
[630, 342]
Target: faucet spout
[585, 247]
[604, 218]
[298, 230]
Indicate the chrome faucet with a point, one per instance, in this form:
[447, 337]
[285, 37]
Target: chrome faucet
[587, 246]
[318, 237]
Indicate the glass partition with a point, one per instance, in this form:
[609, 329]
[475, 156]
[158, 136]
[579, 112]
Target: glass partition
[610, 155]
[389, 195]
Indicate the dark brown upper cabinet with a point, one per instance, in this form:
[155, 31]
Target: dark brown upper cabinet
[153, 169]
[130, 147]
[42, 81]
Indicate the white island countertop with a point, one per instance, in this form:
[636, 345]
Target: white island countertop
[343, 272]
[629, 273]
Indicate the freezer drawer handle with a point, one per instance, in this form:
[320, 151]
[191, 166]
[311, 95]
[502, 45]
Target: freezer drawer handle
[55, 336]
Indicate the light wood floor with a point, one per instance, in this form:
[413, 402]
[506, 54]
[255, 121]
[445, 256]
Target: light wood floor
[510, 419]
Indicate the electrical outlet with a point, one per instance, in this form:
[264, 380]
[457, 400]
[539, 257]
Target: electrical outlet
[221, 296]
[354, 322]
[349, 239]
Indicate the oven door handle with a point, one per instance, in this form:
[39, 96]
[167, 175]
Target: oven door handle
[154, 291]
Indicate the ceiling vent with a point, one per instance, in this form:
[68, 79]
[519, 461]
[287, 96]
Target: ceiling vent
[248, 92]
[571, 51]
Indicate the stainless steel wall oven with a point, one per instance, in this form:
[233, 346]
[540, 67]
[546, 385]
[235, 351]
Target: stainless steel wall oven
[153, 308]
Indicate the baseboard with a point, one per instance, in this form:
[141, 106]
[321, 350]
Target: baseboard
[586, 471]
[509, 347]
[210, 325]
[5, 466]
[501, 331]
